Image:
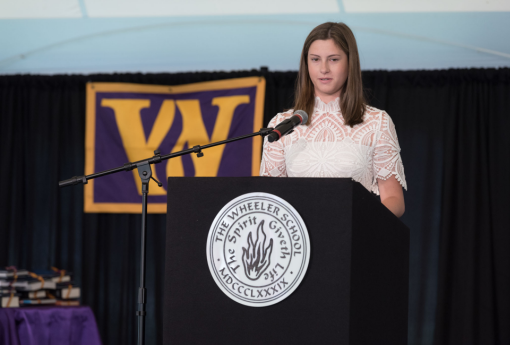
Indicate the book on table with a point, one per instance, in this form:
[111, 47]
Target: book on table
[46, 301]
[9, 301]
[57, 277]
[68, 302]
[10, 273]
[32, 284]
[33, 294]
[67, 291]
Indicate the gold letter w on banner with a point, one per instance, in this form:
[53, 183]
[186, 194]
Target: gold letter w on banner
[129, 122]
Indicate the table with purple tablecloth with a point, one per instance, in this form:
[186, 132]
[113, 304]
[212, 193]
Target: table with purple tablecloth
[48, 325]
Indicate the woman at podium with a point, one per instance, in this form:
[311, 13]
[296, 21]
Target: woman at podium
[344, 137]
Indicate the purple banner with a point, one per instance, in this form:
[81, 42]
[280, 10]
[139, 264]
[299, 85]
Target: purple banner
[127, 122]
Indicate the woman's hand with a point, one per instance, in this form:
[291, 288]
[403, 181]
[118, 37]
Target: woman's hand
[392, 195]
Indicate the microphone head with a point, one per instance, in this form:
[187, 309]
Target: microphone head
[303, 115]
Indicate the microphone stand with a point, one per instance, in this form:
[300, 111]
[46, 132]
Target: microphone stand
[145, 173]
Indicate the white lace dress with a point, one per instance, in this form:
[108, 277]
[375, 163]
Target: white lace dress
[329, 148]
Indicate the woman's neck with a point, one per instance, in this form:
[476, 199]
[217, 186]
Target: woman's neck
[327, 98]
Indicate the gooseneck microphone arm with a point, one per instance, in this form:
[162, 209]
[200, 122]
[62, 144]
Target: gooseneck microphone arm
[145, 173]
[287, 126]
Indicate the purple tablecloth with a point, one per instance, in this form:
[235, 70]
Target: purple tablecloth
[48, 326]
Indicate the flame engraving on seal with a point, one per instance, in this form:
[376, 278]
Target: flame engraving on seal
[257, 257]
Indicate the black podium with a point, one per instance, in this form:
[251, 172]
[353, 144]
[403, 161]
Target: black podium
[354, 292]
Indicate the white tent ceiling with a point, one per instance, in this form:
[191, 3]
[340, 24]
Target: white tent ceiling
[87, 36]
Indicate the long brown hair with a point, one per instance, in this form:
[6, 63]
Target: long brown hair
[352, 100]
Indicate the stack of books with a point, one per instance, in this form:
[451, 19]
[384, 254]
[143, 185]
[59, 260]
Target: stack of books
[53, 287]
[9, 296]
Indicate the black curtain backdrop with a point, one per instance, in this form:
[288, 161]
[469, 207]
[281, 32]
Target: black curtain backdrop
[451, 126]
[474, 294]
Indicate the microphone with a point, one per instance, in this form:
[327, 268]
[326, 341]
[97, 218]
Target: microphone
[287, 126]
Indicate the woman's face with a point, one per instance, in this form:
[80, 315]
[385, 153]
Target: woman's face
[328, 67]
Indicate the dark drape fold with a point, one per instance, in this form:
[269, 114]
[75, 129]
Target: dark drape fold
[474, 303]
[451, 127]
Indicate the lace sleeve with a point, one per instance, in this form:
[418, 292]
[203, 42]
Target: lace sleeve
[387, 160]
[273, 155]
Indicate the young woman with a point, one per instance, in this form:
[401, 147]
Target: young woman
[344, 137]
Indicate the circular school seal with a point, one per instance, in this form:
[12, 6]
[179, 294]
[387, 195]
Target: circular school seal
[258, 249]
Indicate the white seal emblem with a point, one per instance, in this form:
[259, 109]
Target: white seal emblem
[258, 249]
